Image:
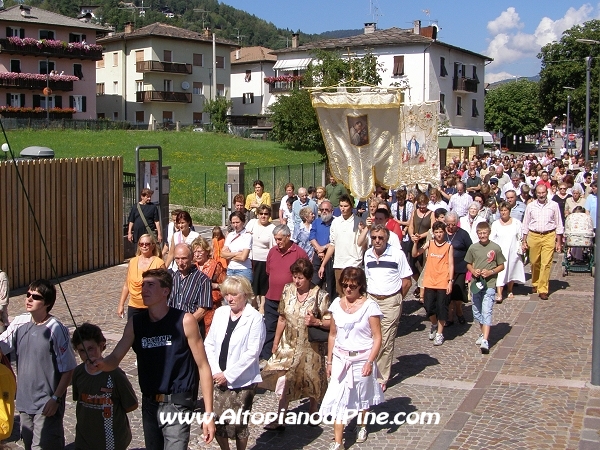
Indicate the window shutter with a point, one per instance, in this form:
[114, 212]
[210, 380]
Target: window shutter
[252, 97]
[36, 101]
[71, 101]
[83, 103]
[58, 101]
[8, 32]
[71, 37]
[398, 65]
[82, 37]
[22, 33]
[22, 100]
[243, 98]
[8, 99]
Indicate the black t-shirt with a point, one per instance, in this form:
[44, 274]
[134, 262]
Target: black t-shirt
[150, 213]
[225, 345]
[461, 241]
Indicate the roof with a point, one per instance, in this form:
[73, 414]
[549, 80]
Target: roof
[43, 17]
[252, 54]
[164, 30]
[379, 38]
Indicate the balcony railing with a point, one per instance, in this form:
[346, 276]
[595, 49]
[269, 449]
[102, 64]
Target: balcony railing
[163, 96]
[461, 84]
[35, 84]
[163, 66]
[55, 52]
[283, 86]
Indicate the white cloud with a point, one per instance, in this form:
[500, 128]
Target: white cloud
[508, 20]
[493, 77]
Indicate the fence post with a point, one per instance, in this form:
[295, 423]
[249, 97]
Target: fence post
[315, 184]
[205, 189]
[274, 187]
[289, 173]
[302, 173]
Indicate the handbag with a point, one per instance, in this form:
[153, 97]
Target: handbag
[317, 334]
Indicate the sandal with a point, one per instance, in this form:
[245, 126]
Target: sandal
[498, 298]
[274, 426]
[510, 295]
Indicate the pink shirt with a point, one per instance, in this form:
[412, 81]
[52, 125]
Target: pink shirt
[541, 217]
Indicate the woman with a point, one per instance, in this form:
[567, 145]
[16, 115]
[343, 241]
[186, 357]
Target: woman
[232, 348]
[213, 270]
[218, 242]
[532, 179]
[143, 218]
[435, 200]
[470, 221]
[320, 193]
[262, 241]
[484, 212]
[184, 234]
[507, 233]
[373, 205]
[449, 188]
[561, 198]
[297, 367]
[576, 200]
[354, 343]
[302, 233]
[257, 198]
[418, 229]
[237, 247]
[146, 257]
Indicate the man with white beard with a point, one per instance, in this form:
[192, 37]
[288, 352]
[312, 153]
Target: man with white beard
[319, 239]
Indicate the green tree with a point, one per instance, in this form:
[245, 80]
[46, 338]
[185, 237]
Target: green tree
[218, 109]
[514, 108]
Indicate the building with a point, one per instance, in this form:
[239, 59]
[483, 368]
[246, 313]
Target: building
[160, 74]
[47, 61]
[249, 68]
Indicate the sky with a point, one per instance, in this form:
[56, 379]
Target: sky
[510, 32]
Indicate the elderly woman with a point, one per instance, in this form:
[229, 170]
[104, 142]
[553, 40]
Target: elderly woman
[213, 270]
[257, 198]
[262, 240]
[470, 221]
[184, 234]
[297, 367]
[236, 249]
[232, 349]
[576, 200]
[146, 257]
[354, 343]
[301, 234]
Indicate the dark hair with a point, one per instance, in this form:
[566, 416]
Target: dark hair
[383, 211]
[289, 185]
[345, 198]
[422, 199]
[311, 190]
[175, 212]
[239, 215]
[401, 195]
[438, 225]
[239, 198]
[87, 332]
[440, 211]
[47, 290]
[483, 226]
[291, 199]
[355, 274]
[184, 215]
[303, 266]
[146, 192]
[579, 209]
[162, 275]
[262, 208]
[259, 182]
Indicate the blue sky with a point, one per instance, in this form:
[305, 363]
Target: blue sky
[510, 32]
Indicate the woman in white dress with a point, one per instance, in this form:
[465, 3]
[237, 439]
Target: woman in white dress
[507, 233]
[184, 234]
[470, 221]
[261, 230]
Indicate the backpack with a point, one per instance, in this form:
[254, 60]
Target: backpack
[8, 388]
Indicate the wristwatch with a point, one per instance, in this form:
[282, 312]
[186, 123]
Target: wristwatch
[55, 398]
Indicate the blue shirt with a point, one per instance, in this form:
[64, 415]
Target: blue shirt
[320, 231]
[297, 206]
[590, 206]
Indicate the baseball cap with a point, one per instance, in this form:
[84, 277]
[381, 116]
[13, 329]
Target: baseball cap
[478, 284]
[493, 180]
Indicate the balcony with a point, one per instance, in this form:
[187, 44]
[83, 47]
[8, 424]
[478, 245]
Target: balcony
[35, 84]
[73, 50]
[163, 66]
[163, 96]
[284, 83]
[461, 84]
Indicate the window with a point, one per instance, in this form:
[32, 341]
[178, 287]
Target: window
[101, 116]
[139, 117]
[197, 117]
[115, 87]
[43, 102]
[78, 71]
[39, 101]
[474, 111]
[443, 71]
[220, 90]
[76, 37]
[168, 85]
[460, 70]
[100, 64]
[139, 85]
[116, 115]
[459, 106]
[46, 34]
[167, 55]
[15, 32]
[77, 102]
[139, 55]
[115, 59]
[99, 88]
[15, 100]
[248, 76]
[167, 116]
[398, 66]
[197, 88]
[44, 69]
[248, 98]
[197, 59]
[402, 97]
[220, 62]
[475, 77]
[442, 103]
[15, 65]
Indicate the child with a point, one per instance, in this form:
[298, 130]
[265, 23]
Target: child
[484, 260]
[218, 240]
[288, 215]
[103, 398]
[437, 280]
[440, 215]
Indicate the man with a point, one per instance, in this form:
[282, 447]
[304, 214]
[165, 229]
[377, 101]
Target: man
[467, 174]
[319, 239]
[460, 201]
[591, 202]
[144, 219]
[45, 365]
[542, 234]
[514, 185]
[334, 190]
[343, 240]
[358, 134]
[525, 195]
[388, 281]
[279, 259]
[191, 290]
[502, 177]
[167, 339]
[380, 217]
[303, 201]
[517, 207]
[473, 183]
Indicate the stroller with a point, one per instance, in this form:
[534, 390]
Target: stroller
[579, 243]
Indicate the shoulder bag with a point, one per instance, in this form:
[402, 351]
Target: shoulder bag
[148, 229]
[317, 334]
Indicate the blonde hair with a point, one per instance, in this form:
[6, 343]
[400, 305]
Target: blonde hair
[236, 284]
[203, 244]
[155, 249]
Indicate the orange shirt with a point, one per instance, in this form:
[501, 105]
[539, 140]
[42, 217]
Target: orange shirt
[436, 270]
[134, 280]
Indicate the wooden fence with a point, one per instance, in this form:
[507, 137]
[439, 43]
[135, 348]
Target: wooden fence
[78, 204]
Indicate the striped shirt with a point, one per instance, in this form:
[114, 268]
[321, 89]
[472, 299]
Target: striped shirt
[542, 217]
[190, 292]
[460, 203]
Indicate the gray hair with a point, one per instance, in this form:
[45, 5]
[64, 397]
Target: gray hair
[577, 188]
[380, 227]
[475, 204]
[305, 213]
[282, 229]
[452, 214]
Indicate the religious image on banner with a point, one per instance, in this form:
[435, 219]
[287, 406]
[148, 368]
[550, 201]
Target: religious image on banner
[414, 151]
[358, 130]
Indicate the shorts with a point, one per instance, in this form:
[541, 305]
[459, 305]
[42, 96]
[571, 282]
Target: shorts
[436, 303]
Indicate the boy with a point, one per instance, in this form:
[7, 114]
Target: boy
[437, 279]
[45, 363]
[103, 398]
[485, 261]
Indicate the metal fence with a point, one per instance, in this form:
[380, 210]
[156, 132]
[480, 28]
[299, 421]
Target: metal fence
[129, 197]
[276, 177]
[12, 123]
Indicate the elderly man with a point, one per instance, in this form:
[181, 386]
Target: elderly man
[388, 281]
[502, 177]
[319, 239]
[191, 291]
[517, 207]
[279, 259]
[514, 185]
[460, 201]
[542, 234]
[303, 201]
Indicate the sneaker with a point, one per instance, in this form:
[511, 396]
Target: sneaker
[479, 339]
[335, 446]
[361, 434]
[485, 346]
[432, 332]
[439, 339]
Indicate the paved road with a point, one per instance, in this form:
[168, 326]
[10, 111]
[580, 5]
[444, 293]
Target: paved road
[530, 392]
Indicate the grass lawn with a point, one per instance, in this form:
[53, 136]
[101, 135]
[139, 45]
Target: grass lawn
[193, 157]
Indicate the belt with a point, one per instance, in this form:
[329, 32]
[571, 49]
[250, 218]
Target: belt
[183, 398]
[542, 232]
[383, 297]
[347, 353]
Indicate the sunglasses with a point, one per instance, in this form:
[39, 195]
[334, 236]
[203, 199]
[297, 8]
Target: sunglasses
[35, 296]
[377, 238]
[263, 214]
[350, 286]
[324, 209]
[145, 244]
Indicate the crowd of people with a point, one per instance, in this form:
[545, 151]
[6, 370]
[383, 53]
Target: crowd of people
[307, 308]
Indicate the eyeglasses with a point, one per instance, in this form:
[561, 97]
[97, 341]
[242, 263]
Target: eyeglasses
[324, 209]
[145, 244]
[350, 286]
[377, 238]
[263, 214]
[35, 296]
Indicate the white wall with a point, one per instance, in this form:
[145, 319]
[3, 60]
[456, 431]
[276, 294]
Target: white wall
[256, 85]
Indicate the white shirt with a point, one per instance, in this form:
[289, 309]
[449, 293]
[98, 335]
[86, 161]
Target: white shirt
[262, 239]
[384, 275]
[433, 206]
[236, 242]
[343, 235]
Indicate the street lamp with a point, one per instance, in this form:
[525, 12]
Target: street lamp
[588, 64]
[568, 110]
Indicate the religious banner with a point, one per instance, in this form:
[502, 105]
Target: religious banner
[371, 137]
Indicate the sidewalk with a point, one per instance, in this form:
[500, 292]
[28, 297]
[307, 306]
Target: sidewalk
[531, 392]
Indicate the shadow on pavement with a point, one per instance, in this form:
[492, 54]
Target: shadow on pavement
[410, 365]
[499, 332]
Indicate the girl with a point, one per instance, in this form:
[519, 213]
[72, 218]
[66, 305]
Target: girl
[218, 240]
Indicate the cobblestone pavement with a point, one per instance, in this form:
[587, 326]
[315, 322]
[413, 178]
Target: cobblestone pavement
[531, 392]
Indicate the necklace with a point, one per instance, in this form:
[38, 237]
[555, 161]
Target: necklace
[302, 300]
[236, 315]
[353, 304]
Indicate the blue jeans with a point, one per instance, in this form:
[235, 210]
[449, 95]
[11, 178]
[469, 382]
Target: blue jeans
[483, 306]
[246, 273]
[157, 436]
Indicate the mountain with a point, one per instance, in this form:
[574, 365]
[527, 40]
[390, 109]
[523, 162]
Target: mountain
[495, 84]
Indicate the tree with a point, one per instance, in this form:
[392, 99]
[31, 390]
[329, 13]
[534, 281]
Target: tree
[218, 109]
[514, 108]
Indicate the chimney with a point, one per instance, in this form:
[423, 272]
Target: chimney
[370, 27]
[295, 40]
[206, 33]
[417, 27]
[237, 54]
[25, 10]
[129, 28]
